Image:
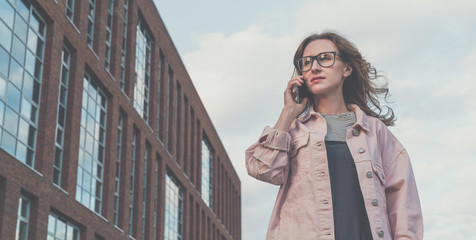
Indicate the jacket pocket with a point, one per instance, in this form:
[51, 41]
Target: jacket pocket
[297, 143]
[378, 171]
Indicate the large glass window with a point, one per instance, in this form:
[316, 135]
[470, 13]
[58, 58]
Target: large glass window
[61, 115]
[178, 120]
[132, 182]
[91, 16]
[60, 229]
[169, 108]
[22, 41]
[117, 181]
[156, 194]
[207, 163]
[92, 139]
[110, 12]
[159, 96]
[142, 71]
[173, 224]
[144, 190]
[124, 44]
[23, 218]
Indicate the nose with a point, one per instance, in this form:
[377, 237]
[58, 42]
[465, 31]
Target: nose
[315, 65]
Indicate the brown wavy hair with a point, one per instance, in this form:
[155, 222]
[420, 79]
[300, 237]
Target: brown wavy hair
[363, 87]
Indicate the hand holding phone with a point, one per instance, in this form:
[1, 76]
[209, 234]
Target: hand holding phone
[298, 93]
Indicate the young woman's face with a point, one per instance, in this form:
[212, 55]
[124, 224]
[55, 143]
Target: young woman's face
[325, 81]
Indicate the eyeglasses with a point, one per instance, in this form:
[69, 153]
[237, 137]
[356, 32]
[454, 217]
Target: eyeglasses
[325, 59]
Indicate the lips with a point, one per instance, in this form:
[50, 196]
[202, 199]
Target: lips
[317, 79]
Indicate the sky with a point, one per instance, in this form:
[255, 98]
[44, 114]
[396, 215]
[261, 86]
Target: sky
[239, 57]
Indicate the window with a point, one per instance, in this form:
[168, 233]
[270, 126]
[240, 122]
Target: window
[144, 190]
[117, 181]
[131, 192]
[185, 135]
[124, 44]
[61, 115]
[92, 140]
[168, 113]
[60, 229]
[173, 228]
[159, 97]
[70, 10]
[156, 194]
[142, 71]
[207, 163]
[21, 63]
[110, 12]
[23, 218]
[91, 15]
[178, 120]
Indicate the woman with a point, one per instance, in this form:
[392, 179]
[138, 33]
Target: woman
[343, 174]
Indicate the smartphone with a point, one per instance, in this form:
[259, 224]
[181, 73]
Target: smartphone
[298, 92]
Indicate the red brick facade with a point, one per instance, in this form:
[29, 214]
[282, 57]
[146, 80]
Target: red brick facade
[186, 122]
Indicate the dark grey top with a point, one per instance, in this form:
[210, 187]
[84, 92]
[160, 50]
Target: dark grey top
[350, 216]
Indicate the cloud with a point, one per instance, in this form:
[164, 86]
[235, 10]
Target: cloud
[426, 48]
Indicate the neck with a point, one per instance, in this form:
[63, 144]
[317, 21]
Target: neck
[330, 105]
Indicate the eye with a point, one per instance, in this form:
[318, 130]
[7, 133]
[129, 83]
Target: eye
[306, 61]
[325, 57]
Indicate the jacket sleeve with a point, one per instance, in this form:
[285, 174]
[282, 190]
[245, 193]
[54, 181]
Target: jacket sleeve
[267, 160]
[403, 203]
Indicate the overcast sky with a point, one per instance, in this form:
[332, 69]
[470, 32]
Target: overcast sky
[239, 56]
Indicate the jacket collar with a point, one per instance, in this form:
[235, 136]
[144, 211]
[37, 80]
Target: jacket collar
[361, 117]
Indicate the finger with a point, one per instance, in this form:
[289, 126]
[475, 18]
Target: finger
[295, 81]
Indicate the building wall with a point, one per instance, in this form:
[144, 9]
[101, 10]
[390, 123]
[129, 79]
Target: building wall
[185, 124]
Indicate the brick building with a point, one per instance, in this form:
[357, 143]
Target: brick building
[102, 133]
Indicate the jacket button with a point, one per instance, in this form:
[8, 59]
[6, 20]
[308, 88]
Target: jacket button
[381, 233]
[355, 132]
[361, 150]
[375, 202]
[369, 174]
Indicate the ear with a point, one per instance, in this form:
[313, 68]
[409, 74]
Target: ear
[347, 71]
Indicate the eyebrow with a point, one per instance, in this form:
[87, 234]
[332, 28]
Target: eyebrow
[321, 53]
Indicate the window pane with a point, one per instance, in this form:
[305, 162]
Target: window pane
[21, 28]
[28, 110]
[21, 153]
[7, 12]
[30, 62]
[23, 231]
[60, 229]
[6, 36]
[3, 89]
[51, 224]
[36, 24]
[23, 131]
[23, 9]
[16, 73]
[18, 50]
[13, 98]
[2, 111]
[8, 143]
[11, 121]
[4, 61]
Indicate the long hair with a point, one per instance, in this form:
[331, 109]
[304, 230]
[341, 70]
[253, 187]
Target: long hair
[363, 87]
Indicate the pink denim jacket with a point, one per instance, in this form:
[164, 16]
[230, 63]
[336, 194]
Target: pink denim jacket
[297, 161]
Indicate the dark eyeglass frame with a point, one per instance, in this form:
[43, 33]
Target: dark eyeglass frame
[316, 58]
